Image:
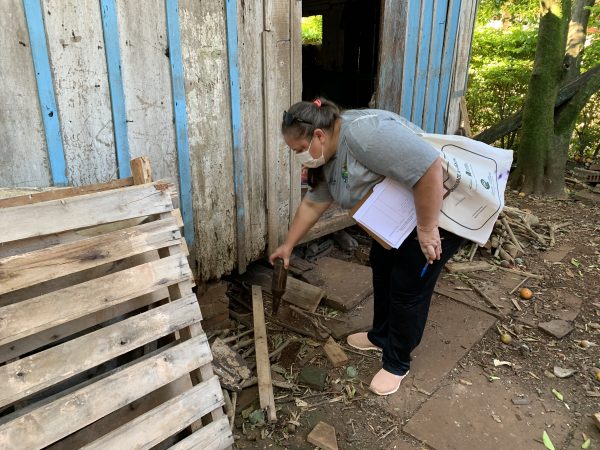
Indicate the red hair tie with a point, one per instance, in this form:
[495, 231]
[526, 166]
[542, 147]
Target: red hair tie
[317, 102]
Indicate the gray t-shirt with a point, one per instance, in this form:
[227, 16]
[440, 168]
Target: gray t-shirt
[373, 144]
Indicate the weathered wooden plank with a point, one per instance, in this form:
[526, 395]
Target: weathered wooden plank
[277, 18]
[129, 412]
[391, 55]
[239, 163]
[334, 219]
[250, 26]
[285, 158]
[424, 45]
[272, 156]
[152, 428]
[263, 365]
[76, 45]
[214, 436]
[435, 64]
[36, 372]
[84, 211]
[41, 313]
[38, 242]
[276, 97]
[466, 25]
[148, 99]
[82, 407]
[24, 156]
[295, 96]
[447, 69]
[55, 334]
[110, 29]
[55, 194]
[204, 50]
[27, 269]
[75, 278]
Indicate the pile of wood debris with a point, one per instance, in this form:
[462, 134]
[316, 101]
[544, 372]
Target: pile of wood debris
[513, 232]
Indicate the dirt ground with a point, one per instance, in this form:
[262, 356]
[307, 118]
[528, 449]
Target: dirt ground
[456, 397]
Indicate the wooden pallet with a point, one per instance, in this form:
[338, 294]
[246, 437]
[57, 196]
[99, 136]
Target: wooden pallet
[100, 338]
[588, 176]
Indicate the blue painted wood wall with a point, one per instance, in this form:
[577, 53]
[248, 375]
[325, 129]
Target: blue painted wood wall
[433, 40]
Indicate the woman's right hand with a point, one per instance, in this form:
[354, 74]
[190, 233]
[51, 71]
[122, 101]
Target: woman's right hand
[284, 252]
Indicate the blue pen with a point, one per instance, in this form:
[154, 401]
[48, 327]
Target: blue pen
[424, 268]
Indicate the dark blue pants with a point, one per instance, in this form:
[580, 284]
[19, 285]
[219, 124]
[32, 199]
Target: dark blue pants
[402, 297]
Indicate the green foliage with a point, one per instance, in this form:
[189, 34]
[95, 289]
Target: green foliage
[501, 65]
[312, 30]
[504, 45]
[509, 11]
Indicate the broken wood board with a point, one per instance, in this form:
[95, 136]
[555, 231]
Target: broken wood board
[336, 355]
[323, 436]
[297, 292]
[359, 319]
[290, 319]
[231, 368]
[346, 283]
[263, 364]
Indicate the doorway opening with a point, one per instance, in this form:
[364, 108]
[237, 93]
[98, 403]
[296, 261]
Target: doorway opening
[340, 64]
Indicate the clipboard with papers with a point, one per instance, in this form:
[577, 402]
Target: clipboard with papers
[387, 213]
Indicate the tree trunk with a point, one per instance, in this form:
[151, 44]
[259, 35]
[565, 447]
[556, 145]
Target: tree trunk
[566, 116]
[538, 111]
[556, 161]
[580, 16]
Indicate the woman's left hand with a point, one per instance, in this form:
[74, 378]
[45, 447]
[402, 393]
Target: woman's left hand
[430, 242]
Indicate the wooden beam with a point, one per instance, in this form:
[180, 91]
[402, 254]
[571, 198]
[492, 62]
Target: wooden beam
[338, 219]
[141, 170]
[263, 365]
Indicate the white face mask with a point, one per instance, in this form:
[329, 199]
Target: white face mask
[306, 159]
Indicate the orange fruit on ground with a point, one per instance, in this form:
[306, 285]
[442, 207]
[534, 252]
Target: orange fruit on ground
[525, 293]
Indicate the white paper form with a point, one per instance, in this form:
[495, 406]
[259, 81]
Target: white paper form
[389, 212]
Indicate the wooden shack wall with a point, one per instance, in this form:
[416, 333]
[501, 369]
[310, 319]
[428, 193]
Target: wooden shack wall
[424, 55]
[87, 85]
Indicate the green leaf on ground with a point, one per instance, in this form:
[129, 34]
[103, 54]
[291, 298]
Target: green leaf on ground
[575, 262]
[586, 443]
[547, 442]
[558, 395]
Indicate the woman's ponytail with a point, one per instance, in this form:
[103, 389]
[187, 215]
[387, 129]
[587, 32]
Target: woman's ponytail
[303, 118]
